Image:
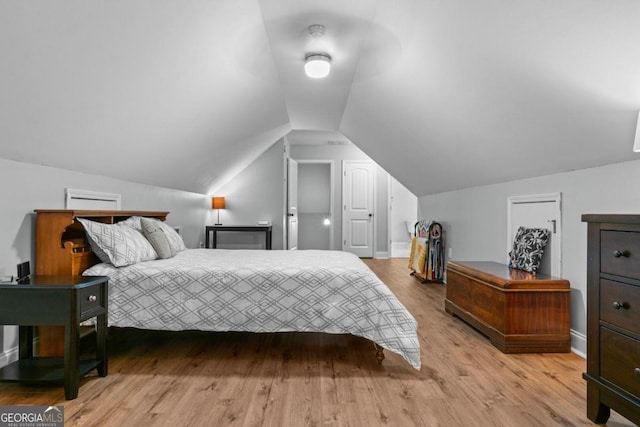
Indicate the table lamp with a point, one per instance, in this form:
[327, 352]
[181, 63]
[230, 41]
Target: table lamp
[217, 203]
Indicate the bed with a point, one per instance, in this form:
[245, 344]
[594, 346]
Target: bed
[231, 290]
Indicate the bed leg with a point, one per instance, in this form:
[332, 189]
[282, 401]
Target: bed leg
[379, 353]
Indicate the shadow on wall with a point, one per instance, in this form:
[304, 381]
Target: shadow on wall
[578, 306]
[24, 243]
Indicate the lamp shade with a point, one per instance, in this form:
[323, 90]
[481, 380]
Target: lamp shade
[317, 65]
[217, 203]
[636, 141]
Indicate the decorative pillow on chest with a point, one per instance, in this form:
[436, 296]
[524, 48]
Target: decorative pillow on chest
[528, 248]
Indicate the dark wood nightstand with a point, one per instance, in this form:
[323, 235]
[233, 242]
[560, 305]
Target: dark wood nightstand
[213, 230]
[55, 300]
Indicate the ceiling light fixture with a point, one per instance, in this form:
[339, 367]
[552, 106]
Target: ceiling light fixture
[317, 65]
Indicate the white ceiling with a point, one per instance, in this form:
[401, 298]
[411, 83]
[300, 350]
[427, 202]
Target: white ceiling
[443, 95]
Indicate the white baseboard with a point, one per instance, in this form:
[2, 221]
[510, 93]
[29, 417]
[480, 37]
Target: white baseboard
[382, 255]
[579, 343]
[400, 249]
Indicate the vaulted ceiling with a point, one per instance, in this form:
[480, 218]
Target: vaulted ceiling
[442, 94]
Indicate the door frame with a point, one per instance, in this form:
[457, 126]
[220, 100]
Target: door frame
[375, 202]
[555, 198]
[331, 164]
[287, 244]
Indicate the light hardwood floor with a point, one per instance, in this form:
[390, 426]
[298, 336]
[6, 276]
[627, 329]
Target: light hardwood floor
[295, 379]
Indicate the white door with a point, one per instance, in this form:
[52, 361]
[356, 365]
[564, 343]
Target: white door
[292, 204]
[539, 211]
[358, 189]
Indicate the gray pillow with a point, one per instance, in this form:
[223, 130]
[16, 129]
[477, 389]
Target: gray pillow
[157, 237]
[176, 242]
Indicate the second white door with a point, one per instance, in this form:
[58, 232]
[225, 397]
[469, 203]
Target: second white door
[358, 190]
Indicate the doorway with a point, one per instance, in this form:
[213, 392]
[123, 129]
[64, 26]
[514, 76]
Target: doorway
[292, 204]
[315, 204]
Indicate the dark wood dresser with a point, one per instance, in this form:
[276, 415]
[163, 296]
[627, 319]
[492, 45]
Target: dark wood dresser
[613, 316]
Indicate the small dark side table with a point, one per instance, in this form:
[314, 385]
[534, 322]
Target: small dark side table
[213, 230]
[60, 301]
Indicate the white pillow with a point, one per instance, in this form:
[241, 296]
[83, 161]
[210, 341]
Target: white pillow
[119, 245]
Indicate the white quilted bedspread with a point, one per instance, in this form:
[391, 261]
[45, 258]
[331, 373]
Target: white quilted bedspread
[260, 291]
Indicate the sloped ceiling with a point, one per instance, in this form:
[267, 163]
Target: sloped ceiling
[443, 95]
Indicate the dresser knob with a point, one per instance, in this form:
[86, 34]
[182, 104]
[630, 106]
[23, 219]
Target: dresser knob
[618, 254]
[92, 298]
[637, 371]
[618, 305]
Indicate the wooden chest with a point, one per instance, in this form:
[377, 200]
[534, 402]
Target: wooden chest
[518, 311]
[613, 316]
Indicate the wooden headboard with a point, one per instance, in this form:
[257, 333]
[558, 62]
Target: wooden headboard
[61, 242]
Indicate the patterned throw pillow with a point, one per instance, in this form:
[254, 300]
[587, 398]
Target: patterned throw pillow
[176, 242]
[120, 245]
[528, 248]
[155, 235]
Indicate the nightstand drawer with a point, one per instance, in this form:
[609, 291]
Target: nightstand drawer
[620, 305]
[620, 253]
[620, 360]
[90, 298]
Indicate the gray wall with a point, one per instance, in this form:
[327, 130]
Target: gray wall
[26, 187]
[404, 207]
[256, 193]
[314, 205]
[338, 153]
[475, 220]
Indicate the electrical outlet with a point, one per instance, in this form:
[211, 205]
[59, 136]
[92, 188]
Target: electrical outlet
[450, 252]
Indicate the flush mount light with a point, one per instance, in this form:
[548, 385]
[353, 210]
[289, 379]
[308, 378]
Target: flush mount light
[317, 65]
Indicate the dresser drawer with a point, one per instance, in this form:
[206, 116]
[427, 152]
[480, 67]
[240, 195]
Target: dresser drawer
[619, 360]
[620, 253]
[620, 304]
[90, 298]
